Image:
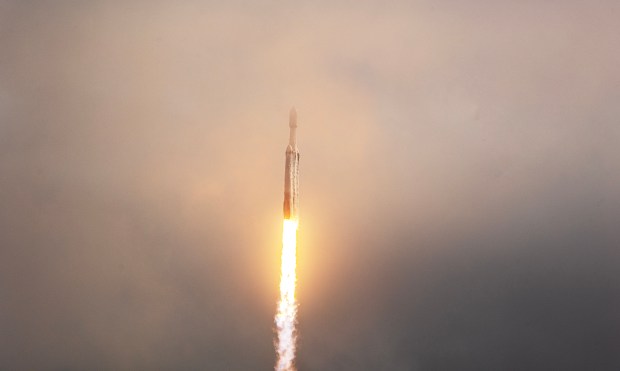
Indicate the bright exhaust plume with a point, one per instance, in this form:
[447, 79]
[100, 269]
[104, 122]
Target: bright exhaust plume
[286, 317]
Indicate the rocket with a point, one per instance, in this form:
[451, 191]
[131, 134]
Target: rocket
[291, 171]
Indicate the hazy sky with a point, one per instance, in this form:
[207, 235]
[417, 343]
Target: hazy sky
[460, 183]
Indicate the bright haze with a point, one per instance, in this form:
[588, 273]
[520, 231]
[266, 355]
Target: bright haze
[459, 184]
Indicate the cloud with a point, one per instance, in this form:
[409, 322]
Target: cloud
[459, 184]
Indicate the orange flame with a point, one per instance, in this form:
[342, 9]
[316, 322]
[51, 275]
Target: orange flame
[286, 316]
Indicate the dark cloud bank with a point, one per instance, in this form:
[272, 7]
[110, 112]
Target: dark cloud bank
[460, 176]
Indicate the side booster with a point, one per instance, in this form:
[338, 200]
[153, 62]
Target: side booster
[291, 172]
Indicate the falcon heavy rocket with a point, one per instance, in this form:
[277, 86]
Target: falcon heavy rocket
[291, 172]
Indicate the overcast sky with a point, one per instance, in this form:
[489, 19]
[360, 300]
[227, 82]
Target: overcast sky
[460, 184]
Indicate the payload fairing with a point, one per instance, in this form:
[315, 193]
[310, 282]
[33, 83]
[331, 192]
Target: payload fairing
[291, 172]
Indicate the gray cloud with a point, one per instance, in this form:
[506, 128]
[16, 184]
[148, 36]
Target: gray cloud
[459, 184]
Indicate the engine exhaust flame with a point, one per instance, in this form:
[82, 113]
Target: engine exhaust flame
[286, 316]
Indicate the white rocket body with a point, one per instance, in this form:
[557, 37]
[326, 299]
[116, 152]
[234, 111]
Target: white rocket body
[291, 172]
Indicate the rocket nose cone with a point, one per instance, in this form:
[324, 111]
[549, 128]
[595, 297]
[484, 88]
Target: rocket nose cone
[293, 118]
